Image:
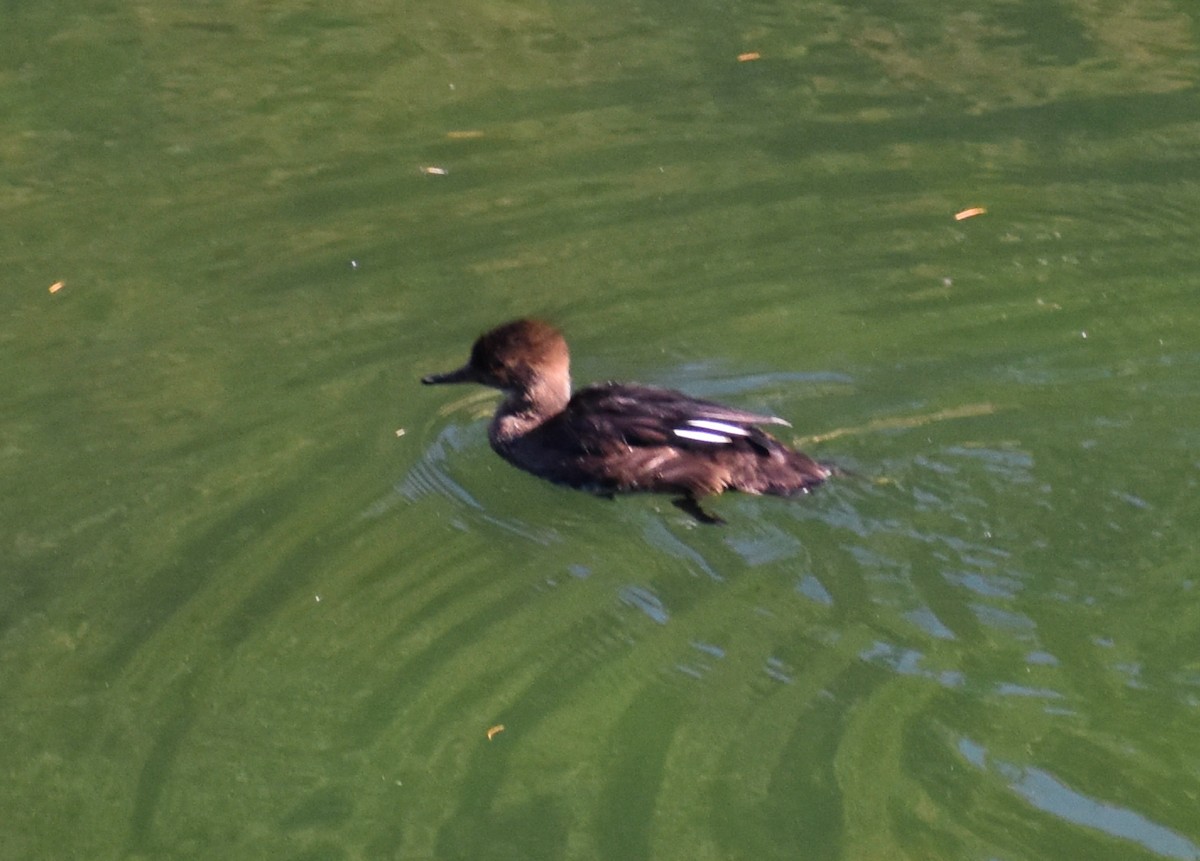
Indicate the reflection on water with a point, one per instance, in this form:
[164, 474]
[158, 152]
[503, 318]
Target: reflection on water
[242, 616]
[1045, 792]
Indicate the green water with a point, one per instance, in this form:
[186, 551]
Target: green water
[262, 595]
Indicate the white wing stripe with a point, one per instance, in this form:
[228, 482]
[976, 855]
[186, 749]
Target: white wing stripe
[701, 436]
[718, 427]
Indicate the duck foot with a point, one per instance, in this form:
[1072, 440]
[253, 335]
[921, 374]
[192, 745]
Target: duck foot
[689, 505]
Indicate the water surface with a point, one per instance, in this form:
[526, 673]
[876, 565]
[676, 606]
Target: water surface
[265, 596]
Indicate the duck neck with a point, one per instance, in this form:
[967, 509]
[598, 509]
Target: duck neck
[526, 409]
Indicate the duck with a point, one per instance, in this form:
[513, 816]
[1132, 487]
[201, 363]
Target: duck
[616, 438]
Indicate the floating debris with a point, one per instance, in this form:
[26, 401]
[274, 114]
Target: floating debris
[57, 285]
[969, 213]
[434, 170]
[495, 731]
[749, 56]
[904, 422]
[464, 134]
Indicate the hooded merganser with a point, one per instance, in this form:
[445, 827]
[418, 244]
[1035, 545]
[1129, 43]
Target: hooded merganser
[615, 437]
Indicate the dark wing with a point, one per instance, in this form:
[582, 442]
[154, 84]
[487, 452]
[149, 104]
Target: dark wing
[647, 416]
[620, 437]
